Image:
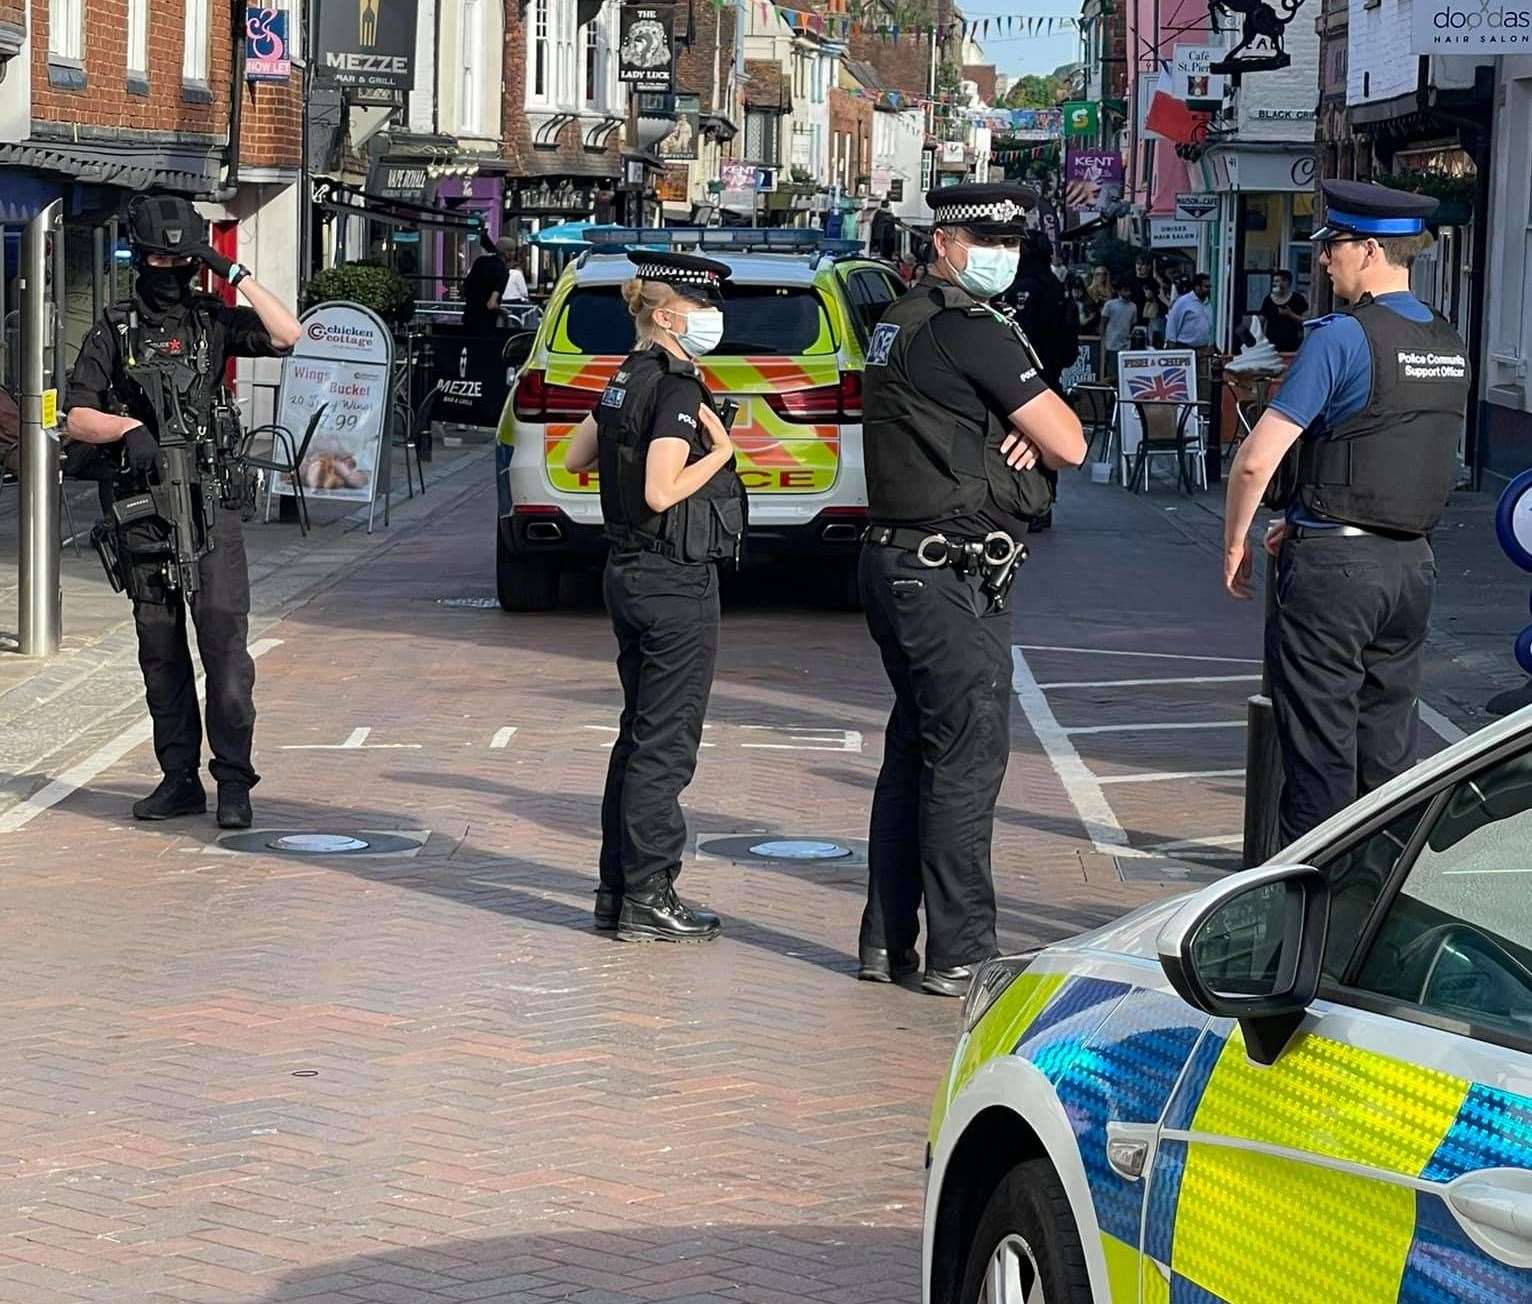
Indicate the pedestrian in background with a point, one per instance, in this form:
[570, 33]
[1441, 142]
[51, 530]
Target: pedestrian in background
[1100, 290]
[674, 508]
[486, 286]
[1365, 433]
[1282, 313]
[1190, 325]
[1118, 318]
[957, 415]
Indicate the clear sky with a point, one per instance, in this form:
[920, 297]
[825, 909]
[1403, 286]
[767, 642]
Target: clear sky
[1016, 53]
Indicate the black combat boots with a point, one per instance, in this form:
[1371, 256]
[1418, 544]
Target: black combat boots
[234, 806]
[876, 964]
[608, 908]
[179, 793]
[949, 982]
[657, 914]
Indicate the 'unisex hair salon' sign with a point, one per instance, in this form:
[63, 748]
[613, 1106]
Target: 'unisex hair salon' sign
[366, 45]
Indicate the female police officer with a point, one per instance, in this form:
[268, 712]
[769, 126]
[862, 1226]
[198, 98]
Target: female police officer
[673, 508]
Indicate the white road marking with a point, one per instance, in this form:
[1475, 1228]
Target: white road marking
[820, 740]
[1165, 776]
[105, 756]
[1440, 724]
[356, 741]
[1235, 840]
[1113, 652]
[502, 738]
[1140, 683]
[1106, 834]
[1138, 728]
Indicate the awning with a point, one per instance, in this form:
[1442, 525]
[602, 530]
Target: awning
[117, 163]
[351, 202]
[570, 233]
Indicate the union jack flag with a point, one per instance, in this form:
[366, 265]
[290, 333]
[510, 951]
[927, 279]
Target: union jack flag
[1165, 386]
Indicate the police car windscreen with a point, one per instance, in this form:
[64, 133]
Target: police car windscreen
[757, 319]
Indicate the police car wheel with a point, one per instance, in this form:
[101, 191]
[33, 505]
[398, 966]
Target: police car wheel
[1026, 1249]
[524, 583]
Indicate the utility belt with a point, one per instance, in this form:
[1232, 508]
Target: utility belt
[1296, 531]
[997, 556]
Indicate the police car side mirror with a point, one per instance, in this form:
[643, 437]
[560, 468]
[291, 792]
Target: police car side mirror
[1250, 948]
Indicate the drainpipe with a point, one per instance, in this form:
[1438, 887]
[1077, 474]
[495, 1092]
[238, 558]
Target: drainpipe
[230, 186]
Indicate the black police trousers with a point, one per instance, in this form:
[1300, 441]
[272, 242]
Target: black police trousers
[665, 616]
[947, 653]
[221, 612]
[1344, 656]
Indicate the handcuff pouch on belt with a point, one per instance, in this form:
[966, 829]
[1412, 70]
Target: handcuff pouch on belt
[996, 556]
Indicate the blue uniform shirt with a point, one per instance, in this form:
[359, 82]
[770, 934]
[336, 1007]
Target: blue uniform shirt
[1330, 380]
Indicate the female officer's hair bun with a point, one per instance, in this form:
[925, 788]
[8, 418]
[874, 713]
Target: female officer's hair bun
[642, 298]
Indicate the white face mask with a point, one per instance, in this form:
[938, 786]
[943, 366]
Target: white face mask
[704, 329]
[989, 271]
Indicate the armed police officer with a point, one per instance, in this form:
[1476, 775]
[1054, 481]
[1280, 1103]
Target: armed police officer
[674, 509]
[148, 380]
[1374, 402]
[958, 415]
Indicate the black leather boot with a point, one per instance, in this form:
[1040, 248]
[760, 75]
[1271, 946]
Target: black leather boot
[608, 908]
[877, 965]
[234, 806]
[179, 793]
[658, 915]
[949, 982]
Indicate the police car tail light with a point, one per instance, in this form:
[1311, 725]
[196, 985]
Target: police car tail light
[839, 402]
[537, 400]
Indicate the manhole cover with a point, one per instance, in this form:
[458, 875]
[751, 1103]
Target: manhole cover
[324, 844]
[308, 842]
[758, 848]
[477, 604]
[800, 849]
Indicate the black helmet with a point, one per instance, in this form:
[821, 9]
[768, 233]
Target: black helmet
[165, 224]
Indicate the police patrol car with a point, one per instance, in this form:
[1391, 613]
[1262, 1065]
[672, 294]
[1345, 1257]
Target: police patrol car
[1311, 1081]
[798, 314]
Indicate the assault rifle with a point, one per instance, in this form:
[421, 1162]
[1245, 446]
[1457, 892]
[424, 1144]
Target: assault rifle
[183, 499]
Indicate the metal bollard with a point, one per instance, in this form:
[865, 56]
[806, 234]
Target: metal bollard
[1263, 758]
[39, 595]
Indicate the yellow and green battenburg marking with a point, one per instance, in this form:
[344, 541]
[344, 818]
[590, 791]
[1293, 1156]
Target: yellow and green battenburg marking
[775, 456]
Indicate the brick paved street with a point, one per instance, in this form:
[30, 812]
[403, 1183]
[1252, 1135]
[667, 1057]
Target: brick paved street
[421, 1076]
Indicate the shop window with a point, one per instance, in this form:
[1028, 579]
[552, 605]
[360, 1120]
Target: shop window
[761, 130]
[138, 38]
[597, 61]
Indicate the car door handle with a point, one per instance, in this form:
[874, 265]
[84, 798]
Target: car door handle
[1494, 1206]
[1127, 1148]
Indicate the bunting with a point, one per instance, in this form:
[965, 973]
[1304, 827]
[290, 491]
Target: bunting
[842, 27]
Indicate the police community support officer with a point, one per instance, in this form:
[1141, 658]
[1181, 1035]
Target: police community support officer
[1375, 400]
[168, 334]
[674, 508]
[956, 416]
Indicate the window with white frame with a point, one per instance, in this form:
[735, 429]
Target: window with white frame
[194, 58]
[538, 64]
[471, 88]
[138, 37]
[566, 82]
[596, 64]
[66, 28]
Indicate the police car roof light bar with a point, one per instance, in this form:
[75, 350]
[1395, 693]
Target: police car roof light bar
[724, 239]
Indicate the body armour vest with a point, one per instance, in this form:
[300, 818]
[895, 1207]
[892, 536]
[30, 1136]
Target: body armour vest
[924, 461]
[173, 380]
[1391, 466]
[705, 527]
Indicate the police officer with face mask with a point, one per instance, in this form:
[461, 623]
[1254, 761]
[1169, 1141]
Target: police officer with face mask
[957, 416]
[1359, 448]
[151, 369]
[674, 509]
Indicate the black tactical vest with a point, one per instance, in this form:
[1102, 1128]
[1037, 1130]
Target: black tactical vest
[710, 524]
[924, 461]
[1391, 466]
[172, 377]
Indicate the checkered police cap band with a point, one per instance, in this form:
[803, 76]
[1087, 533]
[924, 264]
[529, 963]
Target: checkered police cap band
[677, 275]
[1004, 210]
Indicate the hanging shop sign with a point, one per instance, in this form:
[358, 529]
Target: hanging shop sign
[1262, 32]
[366, 45]
[680, 145]
[1192, 80]
[646, 54]
[268, 57]
[1092, 178]
[406, 182]
[1469, 27]
[1196, 208]
[1081, 118]
[1171, 233]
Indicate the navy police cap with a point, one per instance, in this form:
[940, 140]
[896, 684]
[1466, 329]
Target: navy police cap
[985, 209]
[1362, 208]
[688, 273]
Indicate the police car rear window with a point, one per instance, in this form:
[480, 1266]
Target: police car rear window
[759, 320]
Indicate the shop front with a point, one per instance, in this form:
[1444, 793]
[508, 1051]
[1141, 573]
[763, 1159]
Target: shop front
[533, 204]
